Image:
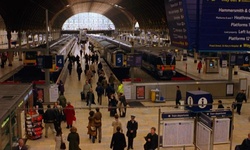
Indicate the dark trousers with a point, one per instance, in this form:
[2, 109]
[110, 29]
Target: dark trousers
[239, 105]
[130, 142]
[199, 71]
[57, 125]
[177, 102]
[99, 99]
[79, 77]
[70, 71]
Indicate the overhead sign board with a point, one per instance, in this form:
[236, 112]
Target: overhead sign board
[224, 25]
[177, 115]
[134, 60]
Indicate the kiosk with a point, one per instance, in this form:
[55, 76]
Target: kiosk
[14, 100]
[212, 64]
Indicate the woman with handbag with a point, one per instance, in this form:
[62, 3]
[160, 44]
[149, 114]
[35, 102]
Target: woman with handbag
[91, 127]
[74, 139]
[60, 140]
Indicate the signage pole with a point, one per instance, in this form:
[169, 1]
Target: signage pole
[232, 129]
[47, 74]
[230, 69]
[159, 128]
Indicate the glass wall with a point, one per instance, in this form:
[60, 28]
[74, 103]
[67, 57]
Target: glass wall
[90, 21]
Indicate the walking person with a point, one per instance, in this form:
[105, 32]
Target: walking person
[86, 88]
[245, 145]
[116, 123]
[151, 140]
[74, 139]
[240, 97]
[59, 138]
[79, 71]
[118, 141]
[100, 91]
[61, 88]
[91, 126]
[58, 112]
[69, 113]
[122, 105]
[112, 104]
[220, 105]
[81, 52]
[98, 124]
[199, 66]
[70, 66]
[90, 98]
[112, 79]
[178, 97]
[49, 118]
[132, 127]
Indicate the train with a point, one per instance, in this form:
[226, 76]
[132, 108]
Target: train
[62, 46]
[157, 62]
[115, 57]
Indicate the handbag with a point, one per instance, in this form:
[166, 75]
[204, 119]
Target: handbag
[63, 145]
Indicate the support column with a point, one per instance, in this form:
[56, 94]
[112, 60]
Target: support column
[38, 38]
[152, 38]
[33, 39]
[20, 54]
[195, 56]
[145, 37]
[27, 42]
[159, 40]
[9, 54]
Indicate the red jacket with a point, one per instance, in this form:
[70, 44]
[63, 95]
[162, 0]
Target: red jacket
[69, 112]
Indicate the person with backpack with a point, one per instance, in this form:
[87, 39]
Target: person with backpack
[100, 91]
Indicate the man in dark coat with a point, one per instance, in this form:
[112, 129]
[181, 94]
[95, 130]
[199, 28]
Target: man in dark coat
[21, 145]
[49, 119]
[100, 91]
[178, 97]
[79, 71]
[151, 140]
[118, 141]
[39, 104]
[241, 96]
[132, 127]
[245, 145]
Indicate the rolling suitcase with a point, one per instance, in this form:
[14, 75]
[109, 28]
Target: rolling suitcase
[82, 96]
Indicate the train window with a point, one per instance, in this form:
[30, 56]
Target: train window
[31, 55]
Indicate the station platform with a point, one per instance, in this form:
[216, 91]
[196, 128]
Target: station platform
[147, 117]
[189, 68]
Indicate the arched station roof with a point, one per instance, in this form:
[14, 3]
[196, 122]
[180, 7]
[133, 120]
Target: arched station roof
[30, 14]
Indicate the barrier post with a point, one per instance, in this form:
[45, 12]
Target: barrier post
[232, 129]
[212, 135]
[159, 128]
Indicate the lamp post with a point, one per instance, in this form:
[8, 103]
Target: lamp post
[47, 74]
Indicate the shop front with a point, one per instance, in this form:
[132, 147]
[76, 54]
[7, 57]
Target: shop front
[14, 102]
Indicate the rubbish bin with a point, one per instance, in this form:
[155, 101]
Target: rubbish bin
[155, 95]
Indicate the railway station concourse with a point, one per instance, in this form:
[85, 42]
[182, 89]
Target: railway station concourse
[213, 33]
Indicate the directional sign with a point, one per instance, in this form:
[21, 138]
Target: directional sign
[177, 115]
[40, 62]
[60, 61]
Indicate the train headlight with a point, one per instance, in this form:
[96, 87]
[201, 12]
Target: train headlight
[160, 73]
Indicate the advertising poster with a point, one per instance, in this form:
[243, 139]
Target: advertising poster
[140, 92]
[53, 93]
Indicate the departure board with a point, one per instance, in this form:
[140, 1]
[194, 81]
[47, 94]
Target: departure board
[176, 23]
[224, 25]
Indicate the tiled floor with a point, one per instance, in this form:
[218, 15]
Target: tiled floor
[146, 117]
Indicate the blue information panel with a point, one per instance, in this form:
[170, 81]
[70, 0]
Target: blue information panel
[60, 61]
[224, 25]
[119, 60]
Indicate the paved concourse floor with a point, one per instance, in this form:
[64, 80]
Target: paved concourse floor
[146, 116]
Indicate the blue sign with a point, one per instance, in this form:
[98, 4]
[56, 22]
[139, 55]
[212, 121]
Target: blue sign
[119, 60]
[224, 26]
[40, 62]
[60, 61]
[177, 115]
[219, 113]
